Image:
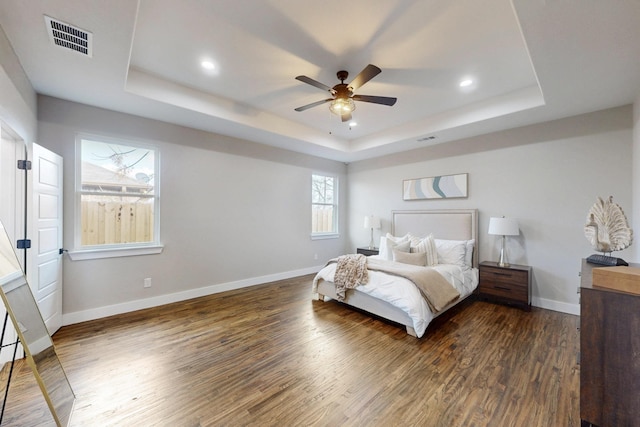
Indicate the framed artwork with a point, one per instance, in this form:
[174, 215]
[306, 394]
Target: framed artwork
[436, 187]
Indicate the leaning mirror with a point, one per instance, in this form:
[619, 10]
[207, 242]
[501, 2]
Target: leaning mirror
[33, 334]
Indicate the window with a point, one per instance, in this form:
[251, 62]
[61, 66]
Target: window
[117, 197]
[324, 206]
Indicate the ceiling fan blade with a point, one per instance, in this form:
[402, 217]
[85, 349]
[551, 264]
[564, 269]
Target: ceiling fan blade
[384, 100]
[346, 117]
[369, 72]
[313, 104]
[310, 81]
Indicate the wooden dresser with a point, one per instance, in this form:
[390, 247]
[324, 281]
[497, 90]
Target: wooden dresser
[609, 354]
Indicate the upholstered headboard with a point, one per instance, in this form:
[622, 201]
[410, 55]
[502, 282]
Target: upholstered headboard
[450, 224]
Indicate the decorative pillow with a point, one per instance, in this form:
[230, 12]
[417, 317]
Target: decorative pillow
[386, 249]
[452, 252]
[398, 239]
[426, 245]
[416, 258]
[469, 256]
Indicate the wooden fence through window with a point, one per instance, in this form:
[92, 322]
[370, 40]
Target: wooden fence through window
[115, 222]
[322, 219]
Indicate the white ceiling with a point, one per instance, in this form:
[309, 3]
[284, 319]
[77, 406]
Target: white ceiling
[530, 60]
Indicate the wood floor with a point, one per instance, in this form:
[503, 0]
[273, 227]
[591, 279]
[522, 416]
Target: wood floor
[269, 355]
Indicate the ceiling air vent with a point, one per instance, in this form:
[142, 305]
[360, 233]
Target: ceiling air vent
[69, 37]
[426, 138]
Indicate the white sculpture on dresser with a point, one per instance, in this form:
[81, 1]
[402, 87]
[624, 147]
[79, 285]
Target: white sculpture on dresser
[607, 229]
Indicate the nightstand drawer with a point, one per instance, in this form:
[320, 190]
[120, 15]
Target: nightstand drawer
[504, 275]
[510, 291]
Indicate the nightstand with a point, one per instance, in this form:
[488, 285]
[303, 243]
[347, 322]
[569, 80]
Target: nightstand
[368, 252]
[511, 285]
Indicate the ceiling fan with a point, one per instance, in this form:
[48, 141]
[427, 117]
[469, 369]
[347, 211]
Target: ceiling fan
[342, 96]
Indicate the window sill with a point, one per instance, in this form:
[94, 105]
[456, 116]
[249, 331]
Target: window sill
[325, 236]
[86, 254]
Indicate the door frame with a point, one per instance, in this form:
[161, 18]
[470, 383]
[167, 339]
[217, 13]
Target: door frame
[13, 200]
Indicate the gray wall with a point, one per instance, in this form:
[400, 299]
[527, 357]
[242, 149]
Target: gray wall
[546, 175]
[17, 98]
[233, 213]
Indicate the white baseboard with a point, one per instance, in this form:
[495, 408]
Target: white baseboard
[562, 307]
[126, 307]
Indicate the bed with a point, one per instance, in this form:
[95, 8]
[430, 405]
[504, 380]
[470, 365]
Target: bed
[397, 298]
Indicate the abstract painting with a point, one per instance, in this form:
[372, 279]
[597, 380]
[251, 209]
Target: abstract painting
[435, 187]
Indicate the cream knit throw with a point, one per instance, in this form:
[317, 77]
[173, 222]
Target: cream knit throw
[351, 271]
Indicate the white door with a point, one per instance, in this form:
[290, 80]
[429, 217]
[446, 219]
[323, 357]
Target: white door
[44, 264]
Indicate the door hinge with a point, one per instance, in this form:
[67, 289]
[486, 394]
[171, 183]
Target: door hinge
[24, 164]
[24, 243]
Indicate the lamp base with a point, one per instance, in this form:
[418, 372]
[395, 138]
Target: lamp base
[502, 262]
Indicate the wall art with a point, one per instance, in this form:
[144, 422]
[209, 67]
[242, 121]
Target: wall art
[436, 187]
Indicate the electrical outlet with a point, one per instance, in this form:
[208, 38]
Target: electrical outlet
[315, 256]
[147, 282]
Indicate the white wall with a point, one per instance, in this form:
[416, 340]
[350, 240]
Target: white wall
[546, 175]
[233, 213]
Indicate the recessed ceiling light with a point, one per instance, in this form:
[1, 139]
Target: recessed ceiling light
[208, 65]
[352, 124]
[466, 82]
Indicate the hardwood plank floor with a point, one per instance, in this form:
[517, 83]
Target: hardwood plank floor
[269, 355]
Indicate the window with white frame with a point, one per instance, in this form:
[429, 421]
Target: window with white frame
[117, 194]
[324, 205]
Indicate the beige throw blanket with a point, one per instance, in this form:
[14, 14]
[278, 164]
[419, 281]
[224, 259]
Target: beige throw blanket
[435, 289]
[350, 272]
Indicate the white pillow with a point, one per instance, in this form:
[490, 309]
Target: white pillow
[426, 245]
[389, 246]
[452, 252]
[398, 239]
[469, 256]
[384, 251]
[417, 258]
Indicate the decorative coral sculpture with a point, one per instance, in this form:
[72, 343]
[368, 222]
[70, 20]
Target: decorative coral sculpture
[607, 228]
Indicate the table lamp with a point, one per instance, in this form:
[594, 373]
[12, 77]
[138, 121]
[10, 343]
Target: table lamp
[503, 227]
[371, 222]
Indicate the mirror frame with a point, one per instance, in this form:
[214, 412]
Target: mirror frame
[33, 334]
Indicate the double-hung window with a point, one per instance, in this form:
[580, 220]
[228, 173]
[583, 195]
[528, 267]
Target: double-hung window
[324, 206]
[117, 198]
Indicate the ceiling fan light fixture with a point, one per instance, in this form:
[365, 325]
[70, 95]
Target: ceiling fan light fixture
[342, 101]
[342, 106]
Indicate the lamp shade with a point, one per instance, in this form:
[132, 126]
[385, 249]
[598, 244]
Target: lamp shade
[503, 226]
[371, 222]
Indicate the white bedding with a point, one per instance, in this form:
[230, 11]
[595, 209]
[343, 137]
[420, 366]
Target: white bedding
[403, 294]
